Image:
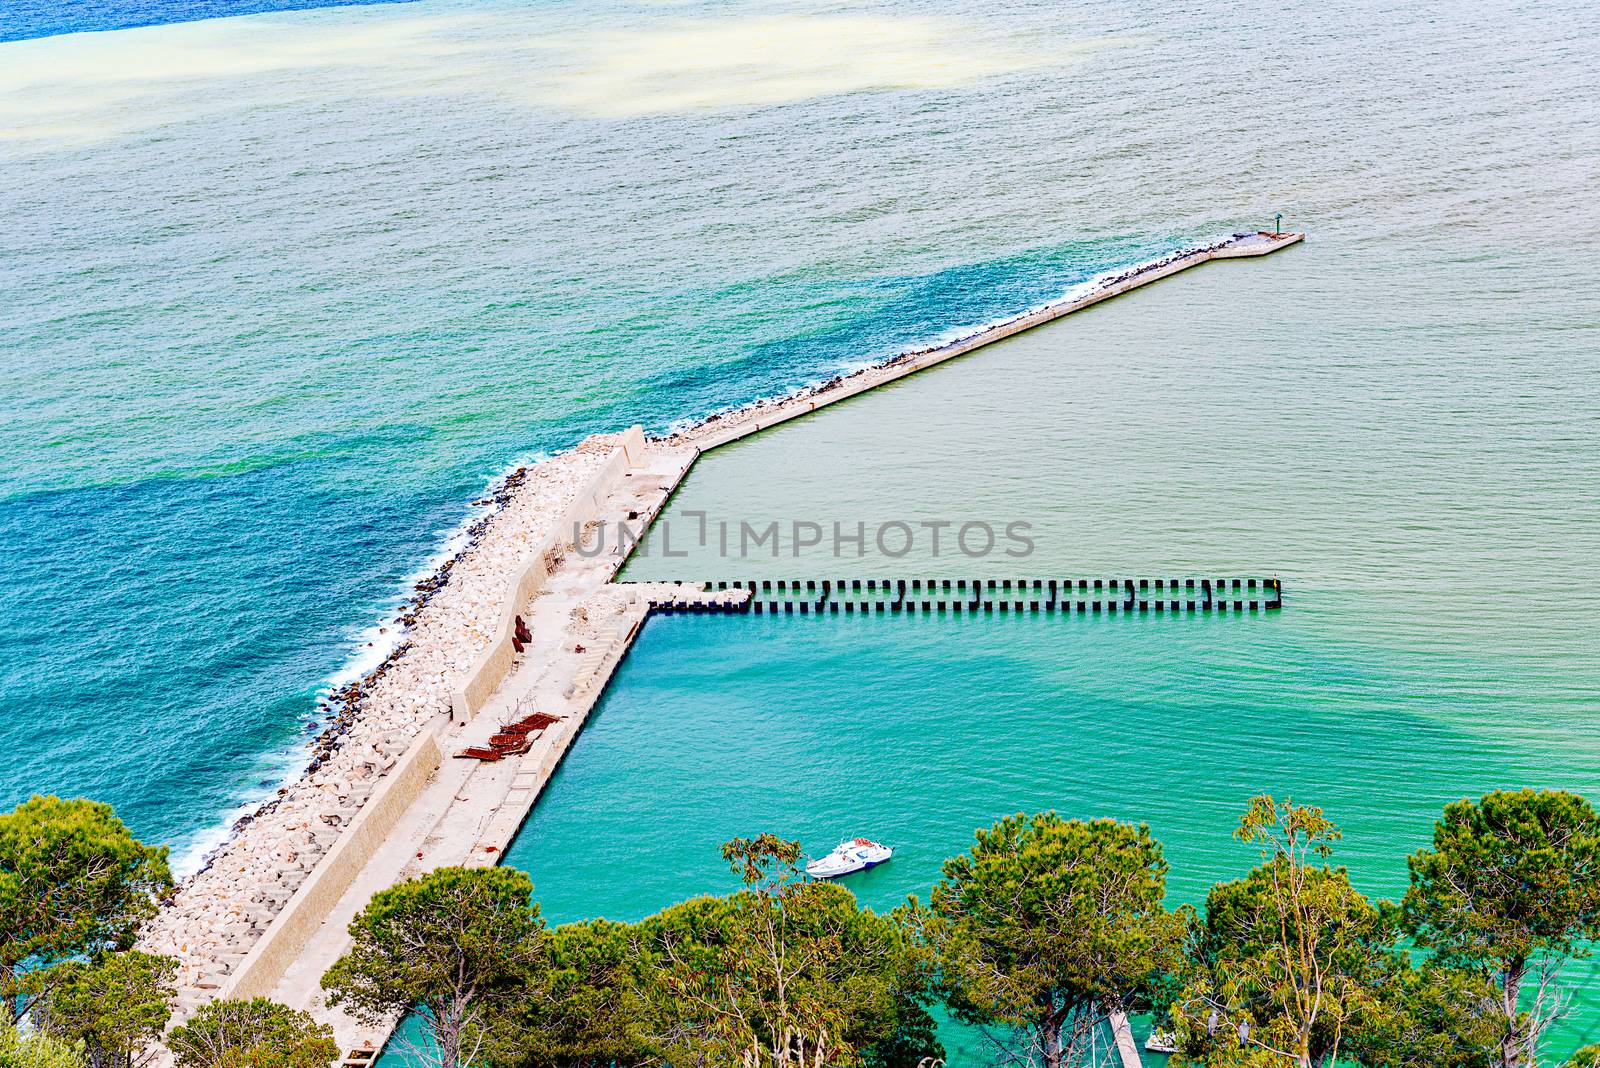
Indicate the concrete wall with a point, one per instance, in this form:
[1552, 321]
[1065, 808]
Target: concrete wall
[485, 676]
[480, 683]
[633, 445]
[303, 914]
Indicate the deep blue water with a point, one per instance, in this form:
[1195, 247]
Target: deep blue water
[24, 19]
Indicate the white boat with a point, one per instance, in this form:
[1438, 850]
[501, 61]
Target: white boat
[1161, 1042]
[853, 855]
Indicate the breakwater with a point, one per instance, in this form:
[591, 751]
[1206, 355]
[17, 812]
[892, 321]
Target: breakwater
[518, 624]
[244, 886]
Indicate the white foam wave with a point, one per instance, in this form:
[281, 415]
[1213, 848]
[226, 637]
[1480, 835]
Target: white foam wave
[368, 647]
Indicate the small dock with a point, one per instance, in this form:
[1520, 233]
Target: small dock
[1122, 1035]
[900, 596]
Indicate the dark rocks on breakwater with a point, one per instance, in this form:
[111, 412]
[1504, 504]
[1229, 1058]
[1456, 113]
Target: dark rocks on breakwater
[340, 709]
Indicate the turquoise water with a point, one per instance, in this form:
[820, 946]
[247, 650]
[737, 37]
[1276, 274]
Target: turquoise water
[916, 731]
[279, 294]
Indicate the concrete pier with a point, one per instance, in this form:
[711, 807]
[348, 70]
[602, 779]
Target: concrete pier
[1122, 1034]
[541, 629]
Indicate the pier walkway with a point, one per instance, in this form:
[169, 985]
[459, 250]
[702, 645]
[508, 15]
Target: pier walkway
[562, 624]
[1122, 1035]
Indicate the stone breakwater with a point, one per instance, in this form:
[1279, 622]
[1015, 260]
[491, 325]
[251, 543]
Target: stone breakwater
[217, 914]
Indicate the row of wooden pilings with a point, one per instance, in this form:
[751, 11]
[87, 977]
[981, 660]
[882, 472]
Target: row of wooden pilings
[989, 596]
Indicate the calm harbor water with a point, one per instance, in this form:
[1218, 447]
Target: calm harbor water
[280, 293]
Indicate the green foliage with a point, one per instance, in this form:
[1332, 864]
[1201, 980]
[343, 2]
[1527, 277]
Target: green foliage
[1511, 886]
[1428, 1017]
[257, 1033]
[1042, 929]
[455, 944]
[588, 1010]
[765, 862]
[73, 882]
[786, 971]
[1509, 876]
[782, 968]
[18, 1050]
[116, 1007]
[1291, 958]
[1049, 924]
[909, 1036]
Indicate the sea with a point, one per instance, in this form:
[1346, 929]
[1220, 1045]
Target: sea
[284, 287]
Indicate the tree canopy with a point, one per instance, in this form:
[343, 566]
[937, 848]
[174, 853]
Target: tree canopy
[786, 971]
[1291, 958]
[73, 883]
[1510, 886]
[456, 944]
[257, 1033]
[1047, 925]
[588, 1009]
[1038, 934]
[117, 1007]
[19, 1049]
[1426, 1017]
